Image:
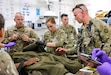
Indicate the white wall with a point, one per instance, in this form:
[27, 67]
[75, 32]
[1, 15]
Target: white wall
[10, 7]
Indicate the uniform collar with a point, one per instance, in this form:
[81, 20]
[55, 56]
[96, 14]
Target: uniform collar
[22, 28]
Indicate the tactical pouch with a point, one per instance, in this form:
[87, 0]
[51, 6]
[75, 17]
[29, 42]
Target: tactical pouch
[34, 47]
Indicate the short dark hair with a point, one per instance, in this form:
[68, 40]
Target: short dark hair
[78, 6]
[2, 21]
[64, 15]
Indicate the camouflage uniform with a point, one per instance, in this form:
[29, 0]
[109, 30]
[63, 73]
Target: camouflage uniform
[59, 37]
[94, 35]
[19, 42]
[71, 33]
[7, 66]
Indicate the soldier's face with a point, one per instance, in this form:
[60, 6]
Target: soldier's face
[19, 19]
[65, 20]
[51, 26]
[78, 15]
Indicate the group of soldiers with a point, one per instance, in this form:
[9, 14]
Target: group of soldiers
[50, 56]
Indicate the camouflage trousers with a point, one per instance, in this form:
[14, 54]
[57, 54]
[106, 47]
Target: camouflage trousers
[7, 66]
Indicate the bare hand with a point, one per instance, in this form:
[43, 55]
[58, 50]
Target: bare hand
[31, 61]
[14, 37]
[25, 38]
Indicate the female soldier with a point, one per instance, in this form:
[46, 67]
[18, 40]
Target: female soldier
[54, 37]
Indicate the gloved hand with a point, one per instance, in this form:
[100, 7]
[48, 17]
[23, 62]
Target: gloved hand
[104, 69]
[100, 55]
[10, 44]
[41, 43]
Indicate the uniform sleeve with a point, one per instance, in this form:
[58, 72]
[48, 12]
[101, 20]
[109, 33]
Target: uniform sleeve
[71, 51]
[62, 39]
[34, 36]
[105, 33]
[74, 33]
[45, 37]
[7, 38]
[7, 65]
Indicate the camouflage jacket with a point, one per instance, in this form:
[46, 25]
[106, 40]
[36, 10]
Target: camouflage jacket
[19, 42]
[96, 35]
[7, 66]
[71, 35]
[59, 37]
[70, 31]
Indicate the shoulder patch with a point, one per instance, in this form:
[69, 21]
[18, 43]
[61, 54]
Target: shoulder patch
[106, 30]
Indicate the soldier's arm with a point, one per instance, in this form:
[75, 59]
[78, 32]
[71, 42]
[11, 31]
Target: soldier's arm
[28, 62]
[74, 33]
[46, 39]
[1, 45]
[60, 42]
[7, 38]
[62, 39]
[33, 36]
[69, 51]
[106, 37]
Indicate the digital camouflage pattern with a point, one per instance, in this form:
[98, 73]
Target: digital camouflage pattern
[96, 34]
[7, 66]
[59, 37]
[71, 35]
[70, 31]
[19, 42]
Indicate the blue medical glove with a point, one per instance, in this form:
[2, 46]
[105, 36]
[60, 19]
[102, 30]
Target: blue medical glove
[100, 55]
[94, 52]
[104, 69]
[10, 44]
